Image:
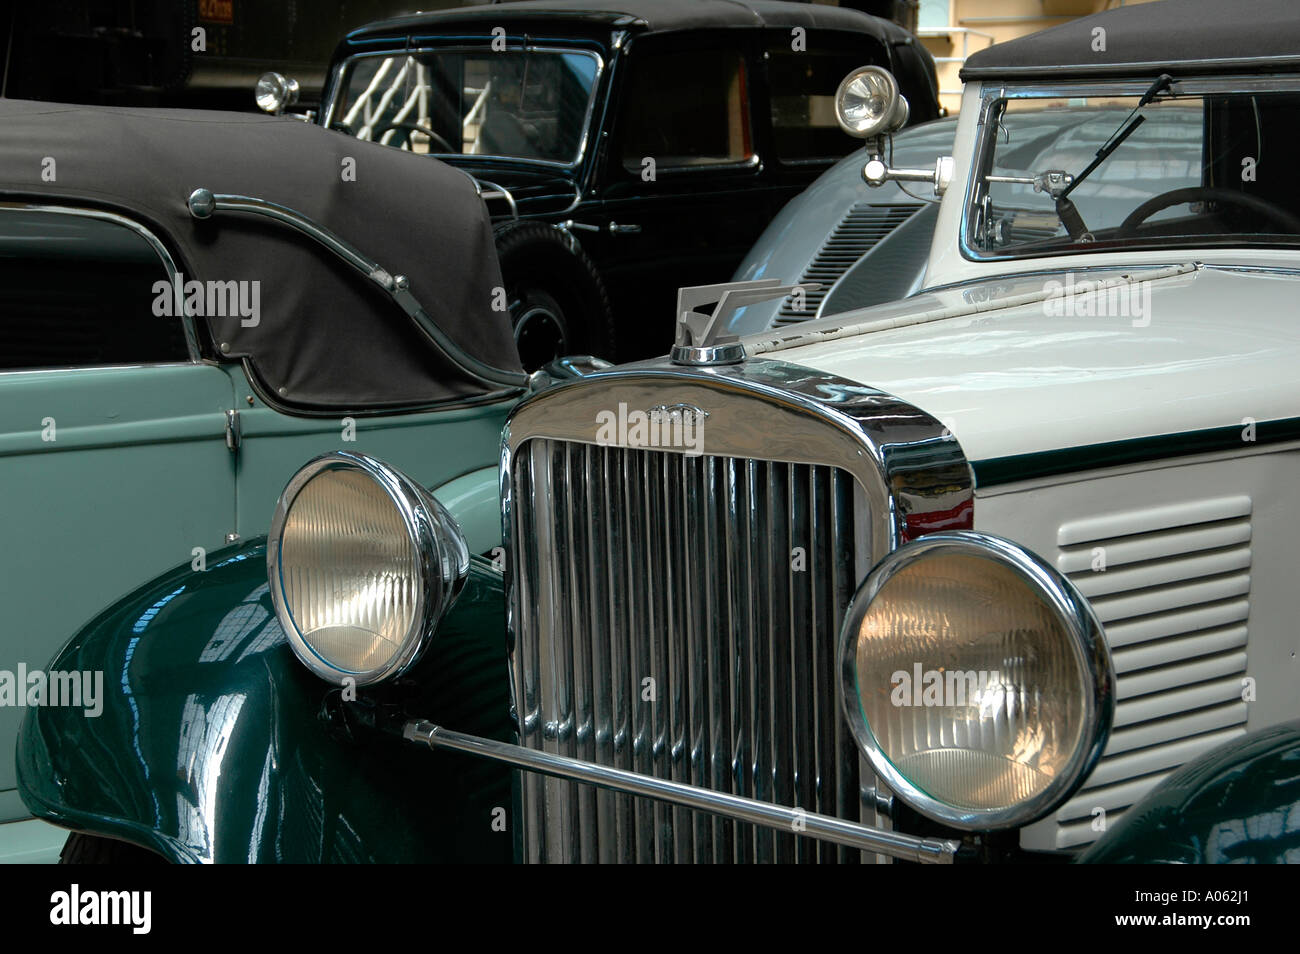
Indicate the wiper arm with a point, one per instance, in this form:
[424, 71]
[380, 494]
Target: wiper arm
[1068, 212]
[1103, 154]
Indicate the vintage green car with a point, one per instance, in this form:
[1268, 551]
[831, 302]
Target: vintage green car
[1002, 571]
[192, 303]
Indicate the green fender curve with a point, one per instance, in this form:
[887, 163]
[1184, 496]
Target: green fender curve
[215, 744]
[1238, 803]
[475, 502]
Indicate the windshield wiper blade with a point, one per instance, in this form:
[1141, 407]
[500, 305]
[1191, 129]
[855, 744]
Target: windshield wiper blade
[1126, 128]
[1066, 210]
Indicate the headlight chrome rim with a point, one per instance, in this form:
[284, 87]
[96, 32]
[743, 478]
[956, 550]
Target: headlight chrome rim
[440, 562]
[1087, 641]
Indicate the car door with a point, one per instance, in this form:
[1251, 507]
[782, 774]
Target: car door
[681, 197]
[113, 458]
[453, 450]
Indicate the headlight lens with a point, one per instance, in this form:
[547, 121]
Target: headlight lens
[976, 680]
[275, 93]
[362, 564]
[868, 103]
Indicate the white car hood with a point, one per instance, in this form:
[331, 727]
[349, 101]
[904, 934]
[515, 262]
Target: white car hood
[1222, 346]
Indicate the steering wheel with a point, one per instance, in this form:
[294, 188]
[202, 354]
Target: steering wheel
[1279, 216]
[438, 141]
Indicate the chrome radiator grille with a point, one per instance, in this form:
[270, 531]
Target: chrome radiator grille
[677, 616]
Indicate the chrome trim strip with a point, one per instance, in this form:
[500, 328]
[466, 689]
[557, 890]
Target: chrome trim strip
[187, 319]
[842, 325]
[763, 814]
[496, 191]
[203, 204]
[67, 368]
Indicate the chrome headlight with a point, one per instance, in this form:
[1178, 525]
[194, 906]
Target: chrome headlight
[275, 92]
[976, 680]
[363, 563]
[868, 103]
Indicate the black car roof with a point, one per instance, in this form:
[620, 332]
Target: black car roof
[1179, 37]
[651, 16]
[328, 338]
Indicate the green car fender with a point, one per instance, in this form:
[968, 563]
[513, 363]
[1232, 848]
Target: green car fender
[475, 501]
[213, 743]
[1240, 802]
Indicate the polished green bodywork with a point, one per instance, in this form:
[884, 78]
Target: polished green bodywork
[139, 475]
[216, 744]
[1237, 803]
[125, 463]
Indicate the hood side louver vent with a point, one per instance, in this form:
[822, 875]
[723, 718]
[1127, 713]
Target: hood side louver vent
[1171, 586]
[864, 227]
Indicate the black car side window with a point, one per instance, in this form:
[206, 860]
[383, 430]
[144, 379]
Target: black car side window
[803, 85]
[687, 108]
[77, 291]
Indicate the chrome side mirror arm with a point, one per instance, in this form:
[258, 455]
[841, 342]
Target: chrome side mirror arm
[877, 172]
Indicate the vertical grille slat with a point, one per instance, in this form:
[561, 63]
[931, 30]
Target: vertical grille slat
[643, 633]
[801, 698]
[619, 637]
[741, 655]
[780, 715]
[643, 564]
[714, 639]
[584, 742]
[760, 762]
[602, 745]
[845, 759]
[678, 580]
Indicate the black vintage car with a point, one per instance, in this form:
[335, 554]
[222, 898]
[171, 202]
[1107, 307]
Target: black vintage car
[626, 147]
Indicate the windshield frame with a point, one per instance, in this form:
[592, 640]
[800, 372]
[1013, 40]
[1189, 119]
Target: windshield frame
[992, 93]
[344, 69]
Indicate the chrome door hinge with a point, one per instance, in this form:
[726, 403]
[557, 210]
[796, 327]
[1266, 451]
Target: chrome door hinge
[232, 431]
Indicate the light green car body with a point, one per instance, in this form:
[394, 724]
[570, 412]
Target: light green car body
[111, 475]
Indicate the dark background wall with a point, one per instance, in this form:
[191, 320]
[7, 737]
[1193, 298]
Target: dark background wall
[141, 52]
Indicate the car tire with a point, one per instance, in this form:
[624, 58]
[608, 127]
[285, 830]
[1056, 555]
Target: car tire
[557, 300]
[82, 849]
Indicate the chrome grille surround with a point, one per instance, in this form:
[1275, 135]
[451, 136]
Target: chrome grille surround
[625, 561]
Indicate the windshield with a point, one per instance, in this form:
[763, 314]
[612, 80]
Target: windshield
[1179, 170]
[523, 105]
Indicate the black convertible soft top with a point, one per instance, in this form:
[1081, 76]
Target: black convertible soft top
[329, 340]
[1180, 37]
